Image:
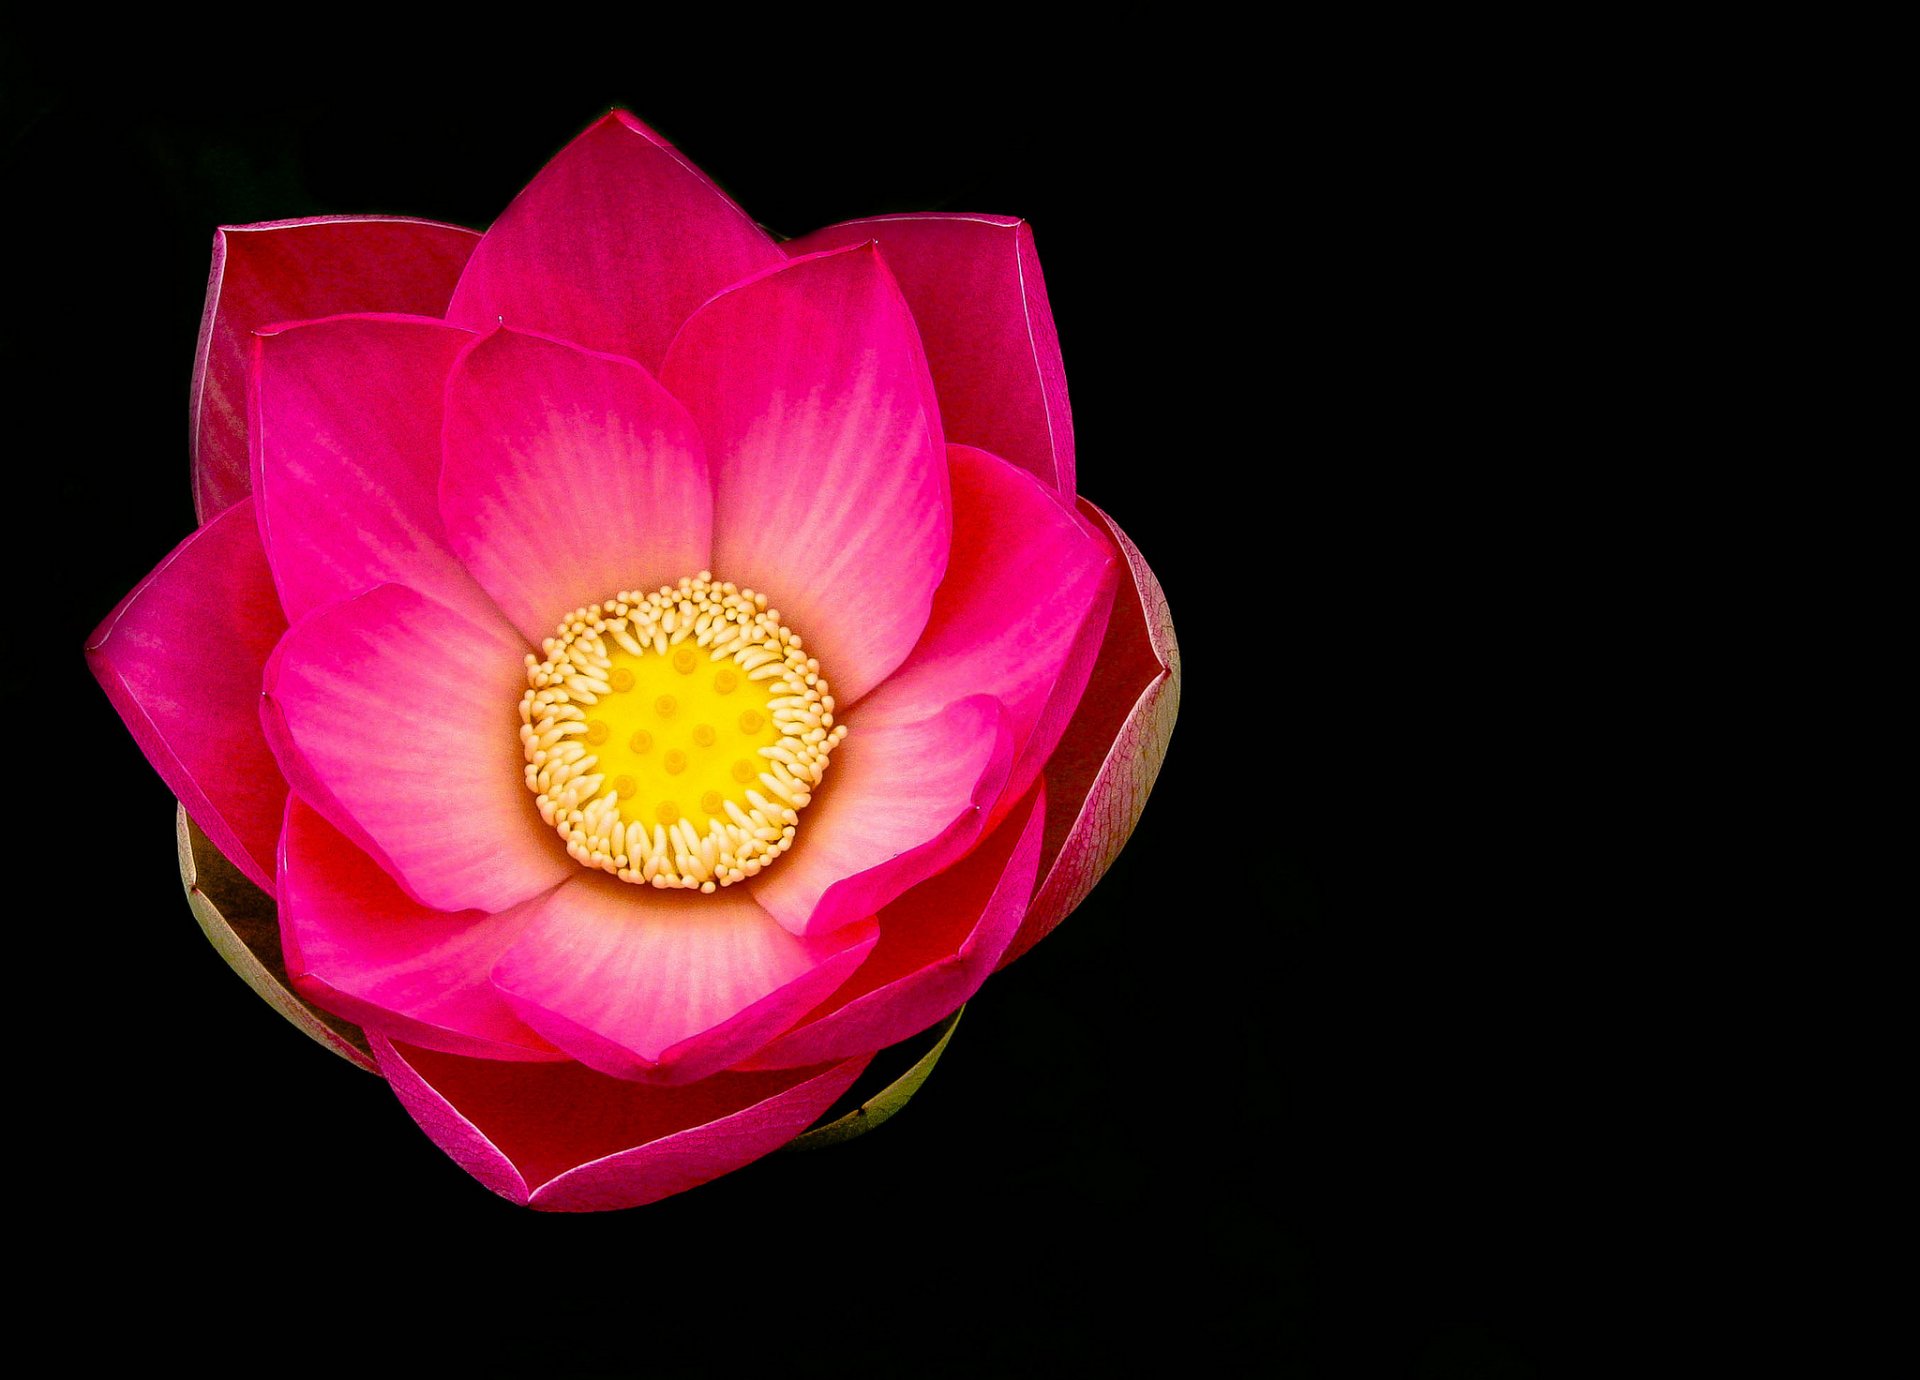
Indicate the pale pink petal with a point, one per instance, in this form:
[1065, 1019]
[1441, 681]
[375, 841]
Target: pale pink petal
[346, 456]
[975, 288]
[181, 659]
[568, 476]
[611, 246]
[901, 800]
[566, 1139]
[829, 474]
[1026, 585]
[1099, 776]
[938, 943]
[666, 987]
[293, 270]
[363, 949]
[398, 720]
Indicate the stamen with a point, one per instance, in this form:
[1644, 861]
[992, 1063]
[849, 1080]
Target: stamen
[681, 788]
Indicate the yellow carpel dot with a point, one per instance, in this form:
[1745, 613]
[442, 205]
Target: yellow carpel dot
[667, 785]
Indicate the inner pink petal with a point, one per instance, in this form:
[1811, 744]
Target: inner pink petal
[613, 244]
[662, 985]
[346, 455]
[830, 478]
[364, 949]
[400, 724]
[568, 476]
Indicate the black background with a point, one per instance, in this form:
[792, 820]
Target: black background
[1280, 1096]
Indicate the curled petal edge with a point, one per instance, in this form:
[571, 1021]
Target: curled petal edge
[1100, 793]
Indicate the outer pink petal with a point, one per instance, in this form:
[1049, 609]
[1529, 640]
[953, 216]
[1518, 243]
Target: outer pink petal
[1099, 777]
[667, 988]
[830, 477]
[564, 1138]
[398, 720]
[568, 476]
[362, 948]
[346, 457]
[181, 660]
[902, 800]
[975, 288]
[1026, 584]
[937, 945]
[291, 270]
[612, 245]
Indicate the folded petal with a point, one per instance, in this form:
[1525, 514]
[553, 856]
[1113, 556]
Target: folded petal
[293, 270]
[346, 457]
[938, 943]
[1099, 776]
[830, 478]
[902, 800]
[564, 1138]
[1026, 585]
[567, 476]
[362, 948]
[181, 659]
[974, 285]
[612, 246]
[398, 720]
[666, 987]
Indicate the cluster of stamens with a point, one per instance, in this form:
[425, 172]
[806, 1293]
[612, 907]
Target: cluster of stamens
[652, 711]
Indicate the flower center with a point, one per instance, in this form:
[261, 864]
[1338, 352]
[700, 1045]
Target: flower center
[673, 737]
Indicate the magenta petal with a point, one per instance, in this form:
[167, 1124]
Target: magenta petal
[566, 1139]
[293, 270]
[975, 288]
[612, 245]
[181, 659]
[1099, 777]
[664, 987]
[346, 441]
[938, 943]
[829, 473]
[1026, 585]
[900, 801]
[398, 720]
[568, 476]
[362, 948]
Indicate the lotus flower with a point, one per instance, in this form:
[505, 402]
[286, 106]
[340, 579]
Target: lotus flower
[650, 667]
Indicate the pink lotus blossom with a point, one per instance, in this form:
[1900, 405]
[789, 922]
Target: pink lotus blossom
[471, 503]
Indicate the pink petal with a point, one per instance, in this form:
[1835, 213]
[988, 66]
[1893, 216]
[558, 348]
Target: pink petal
[398, 720]
[363, 949]
[564, 1138]
[975, 288]
[346, 455]
[181, 660]
[568, 476]
[292, 270]
[1099, 777]
[830, 477]
[664, 987]
[612, 246]
[901, 801]
[938, 943]
[1026, 585]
